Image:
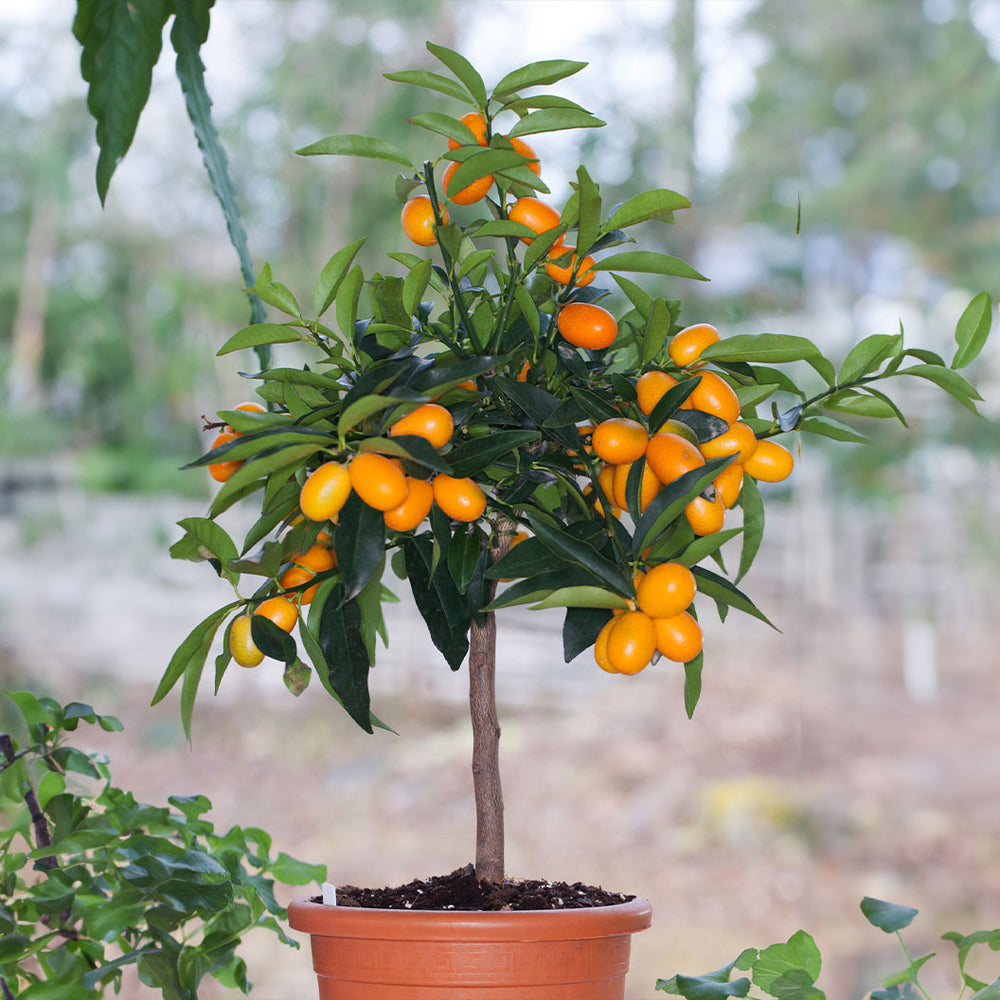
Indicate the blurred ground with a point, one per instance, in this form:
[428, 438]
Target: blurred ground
[854, 754]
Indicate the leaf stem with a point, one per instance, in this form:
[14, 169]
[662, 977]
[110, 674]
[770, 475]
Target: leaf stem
[909, 958]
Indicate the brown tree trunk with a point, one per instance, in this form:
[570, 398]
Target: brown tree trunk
[486, 732]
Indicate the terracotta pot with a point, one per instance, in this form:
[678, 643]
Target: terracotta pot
[366, 954]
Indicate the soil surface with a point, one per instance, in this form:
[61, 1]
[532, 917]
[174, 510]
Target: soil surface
[461, 890]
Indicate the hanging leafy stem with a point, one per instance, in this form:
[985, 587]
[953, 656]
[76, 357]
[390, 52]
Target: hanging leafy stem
[482, 417]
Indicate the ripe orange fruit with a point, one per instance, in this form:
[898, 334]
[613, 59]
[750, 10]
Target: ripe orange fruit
[279, 610]
[476, 124]
[460, 499]
[417, 220]
[221, 471]
[648, 488]
[325, 491]
[536, 215]
[580, 274]
[652, 387]
[666, 590]
[587, 325]
[251, 407]
[728, 484]
[377, 480]
[471, 193]
[520, 146]
[686, 346]
[416, 506]
[631, 642]
[588, 490]
[295, 576]
[606, 479]
[431, 421]
[522, 375]
[706, 517]
[713, 394]
[770, 462]
[670, 456]
[601, 646]
[619, 440]
[678, 637]
[739, 440]
[241, 644]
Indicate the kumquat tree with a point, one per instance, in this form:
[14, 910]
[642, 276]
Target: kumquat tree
[509, 406]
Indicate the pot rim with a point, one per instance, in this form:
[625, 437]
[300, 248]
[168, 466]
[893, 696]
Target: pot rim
[324, 920]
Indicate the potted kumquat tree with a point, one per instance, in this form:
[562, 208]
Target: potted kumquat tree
[509, 406]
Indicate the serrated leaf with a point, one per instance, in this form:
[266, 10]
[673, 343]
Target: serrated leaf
[357, 145]
[888, 917]
[537, 74]
[656, 204]
[972, 330]
[649, 262]
[261, 333]
[121, 45]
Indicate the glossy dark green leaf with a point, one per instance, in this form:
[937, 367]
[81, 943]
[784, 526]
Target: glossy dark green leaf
[478, 164]
[348, 297]
[649, 262]
[669, 404]
[430, 81]
[692, 686]
[529, 558]
[596, 406]
[534, 589]
[463, 554]
[212, 539]
[707, 987]
[720, 590]
[888, 917]
[636, 294]
[579, 553]
[345, 657]
[555, 120]
[972, 330]
[446, 125]
[359, 540]
[537, 74]
[535, 402]
[581, 627]
[500, 227]
[464, 71]
[659, 203]
[247, 478]
[442, 607]
[273, 641]
[656, 332]
[472, 457]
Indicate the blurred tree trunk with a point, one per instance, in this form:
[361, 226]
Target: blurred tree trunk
[24, 380]
[684, 41]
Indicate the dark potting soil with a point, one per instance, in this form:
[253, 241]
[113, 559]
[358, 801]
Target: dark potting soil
[461, 890]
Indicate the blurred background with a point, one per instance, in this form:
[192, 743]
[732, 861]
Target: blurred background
[844, 166]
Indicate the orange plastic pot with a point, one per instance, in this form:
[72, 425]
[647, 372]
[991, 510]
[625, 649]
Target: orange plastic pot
[368, 954]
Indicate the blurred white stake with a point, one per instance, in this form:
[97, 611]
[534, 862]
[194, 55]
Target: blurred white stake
[920, 673]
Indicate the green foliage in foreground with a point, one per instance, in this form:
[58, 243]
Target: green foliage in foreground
[94, 881]
[789, 970]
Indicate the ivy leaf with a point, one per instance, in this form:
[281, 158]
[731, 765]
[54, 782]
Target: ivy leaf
[799, 953]
[888, 917]
[121, 45]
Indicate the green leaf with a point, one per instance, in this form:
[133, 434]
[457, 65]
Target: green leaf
[429, 80]
[770, 348]
[867, 356]
[359, 540]
[195, 647]
[725, 594]
[637, 295]
[529, 309]
[121, 45]
[649, 262]
[473, 456]
[348, 297]
[480, 163]
[290, 871]
[659, 203]
[952, 383]
[990, 992]
[711, 986]
[501, 227]
[692, 684]
[538, 404]
[442, 607]
[533, 589]
[273, 641]
[657, 329]
[463, 555]
[554, 120]
[580, 597]
[332, 276]
[753, 524]
[871, 403]
[910, 974]
[415, 284]
[799, 952]
[464, 71]
[572, 550]
[247, 478]
[274, 293]
[972, 330]
[888, 917]
[357, 145]
[537, 74]
[833, 429]
[213, 538]
[446, 125]
[361, 409]
[588, 199]
[261, 333]
[581, 627]
[345, 662]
